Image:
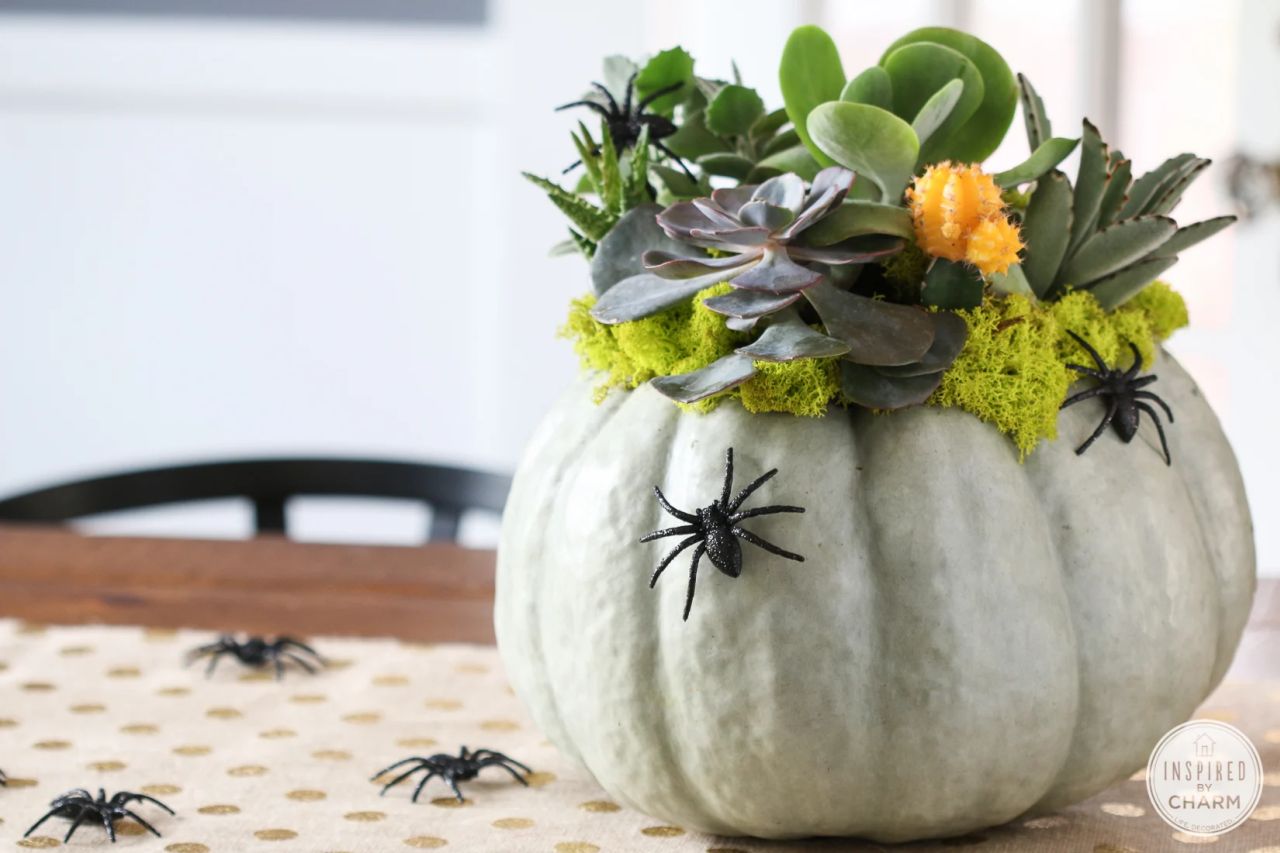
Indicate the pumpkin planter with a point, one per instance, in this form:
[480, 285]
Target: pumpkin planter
[981, 628]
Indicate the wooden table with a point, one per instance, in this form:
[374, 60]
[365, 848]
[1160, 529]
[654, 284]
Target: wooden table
[432, 593]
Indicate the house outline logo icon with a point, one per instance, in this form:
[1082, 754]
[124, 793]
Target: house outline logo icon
[1203, 744]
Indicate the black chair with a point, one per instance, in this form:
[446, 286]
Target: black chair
[269, 483]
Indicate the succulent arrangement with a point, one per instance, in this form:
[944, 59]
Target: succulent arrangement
[851, 247]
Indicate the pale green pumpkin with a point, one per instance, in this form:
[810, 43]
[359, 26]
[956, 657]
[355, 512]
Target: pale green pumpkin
[969, 639]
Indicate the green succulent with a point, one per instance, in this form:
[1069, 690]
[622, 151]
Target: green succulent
[1105, 234]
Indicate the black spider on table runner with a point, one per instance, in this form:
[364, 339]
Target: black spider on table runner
[625, 123]
[79, 805]
[463, 767]
[1121, 389]
[257, 653]
[714, 528]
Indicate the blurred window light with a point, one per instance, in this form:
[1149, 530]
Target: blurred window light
[456, 12]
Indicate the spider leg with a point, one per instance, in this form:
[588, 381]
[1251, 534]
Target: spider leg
[453, 783]
[279, 667]
[109, 823]
[588, 104]
[497, 763]
[1096, 391]
[669, 531]
[674, 156]
[1093, 353]
[666, 504]
[743, 533]
[423, 784]
[1143, 381]
[1150, 395]
[728, 477]
[145, 825]
[1106, 420]
[693, 579]
[490, 753]
[144, 798]
[742, 496]
[666, 561]
[763, 510]
[75, 825]
[567, 169]
[1164, 444]
[300, 661]
[602, 89]
[631, 88]
[1087, 371]
[396, 781]
[1137, 362]
[199, 652]
[213, 662]
[653, 96]
[289, 642]
[36, 825]
[401, 763]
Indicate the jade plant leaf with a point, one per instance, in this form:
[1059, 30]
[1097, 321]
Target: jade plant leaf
[857, 218]
[1046, 157]
[952, 284]
[796, 159]
[665, 69]
[692, 139]
[950, 334]
[872, 142]
[936, 110]
[872, 86]
[734, 110]
[810, 74]
[1117, 288]
[1115, 247]
[1033, 114]
[981, 133]
[1189, 235]
[726, 164]
[920, 70]
[720, 375]
[1046, 227]
[877, 332]
[868, 387]
[789, 339]
[620, 254]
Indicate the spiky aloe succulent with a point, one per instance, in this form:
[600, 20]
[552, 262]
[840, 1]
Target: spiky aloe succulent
[1106, 234]
[891, 355]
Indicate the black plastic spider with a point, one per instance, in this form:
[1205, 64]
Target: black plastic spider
[1124, 397]
[79, 805]
[625, 123]
[463, 767]
[714, 527]
[256, 653]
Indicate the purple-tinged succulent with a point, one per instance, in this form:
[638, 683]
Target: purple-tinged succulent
[755, 231]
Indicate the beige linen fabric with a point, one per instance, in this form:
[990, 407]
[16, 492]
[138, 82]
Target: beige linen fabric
[254, 765]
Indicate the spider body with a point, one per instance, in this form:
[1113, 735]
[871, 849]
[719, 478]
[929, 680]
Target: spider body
[715, 530]
[257, 653]
[625, 123]
[1122, 390]
[463, 767]
[79, 806]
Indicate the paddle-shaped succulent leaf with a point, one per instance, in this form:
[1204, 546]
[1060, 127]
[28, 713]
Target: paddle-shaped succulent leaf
[873, 142]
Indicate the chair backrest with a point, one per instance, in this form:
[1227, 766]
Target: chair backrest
[269, 483]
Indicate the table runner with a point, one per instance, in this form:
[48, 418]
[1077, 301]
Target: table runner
[250, 764]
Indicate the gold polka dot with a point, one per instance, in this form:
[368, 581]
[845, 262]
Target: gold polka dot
[39, 842]
[52, 744]
[38, 687]
[307, 698]
[1123, 809]
[471, 668]
[1266, 813]
[124, 672]
[277, 734]
[390, 681]
[128, 827]
[139, 729]
[275, 834]
[160, 790]
[21, 783]
[1187, 838]
[30, 629]
[89, 708]
[576, 847]
[364, 817]
[499, 725]
[187, 847]
[173, 691]
[223, 714]
[219, 809]
[425, 842]
[1272, 779]
[307, 795]
[662, 831]
[1271, 736]
[1052, 821]
[75, 651]
[332, 755]
[158, 635]
[1113, 848]
[7, 723]
[444, 704]
[1223, 715]
[260, 675]
[363, 718]
[451, 802]
[192, 750]
[601, 806]
[1140, 776]
[248, 770]
[106, 766]
[539, 778]
[412, 742]
[340, 663]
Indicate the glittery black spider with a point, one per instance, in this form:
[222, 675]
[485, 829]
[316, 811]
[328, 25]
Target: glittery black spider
[714, 527]
[256, 653]
[1125, 400]
[463, 767]
[79, 805]
[626, 122]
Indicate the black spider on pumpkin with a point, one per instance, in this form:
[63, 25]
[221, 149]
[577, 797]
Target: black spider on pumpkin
[626, 122]
[1122, 390]
[257, 653]
[79, 805]
[714, 527]
[463, 767]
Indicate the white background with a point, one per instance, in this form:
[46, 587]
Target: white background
[232, 238]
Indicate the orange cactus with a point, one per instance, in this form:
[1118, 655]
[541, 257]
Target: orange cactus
[959, 215]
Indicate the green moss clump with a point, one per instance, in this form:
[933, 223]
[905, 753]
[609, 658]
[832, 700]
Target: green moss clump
[802, 387]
